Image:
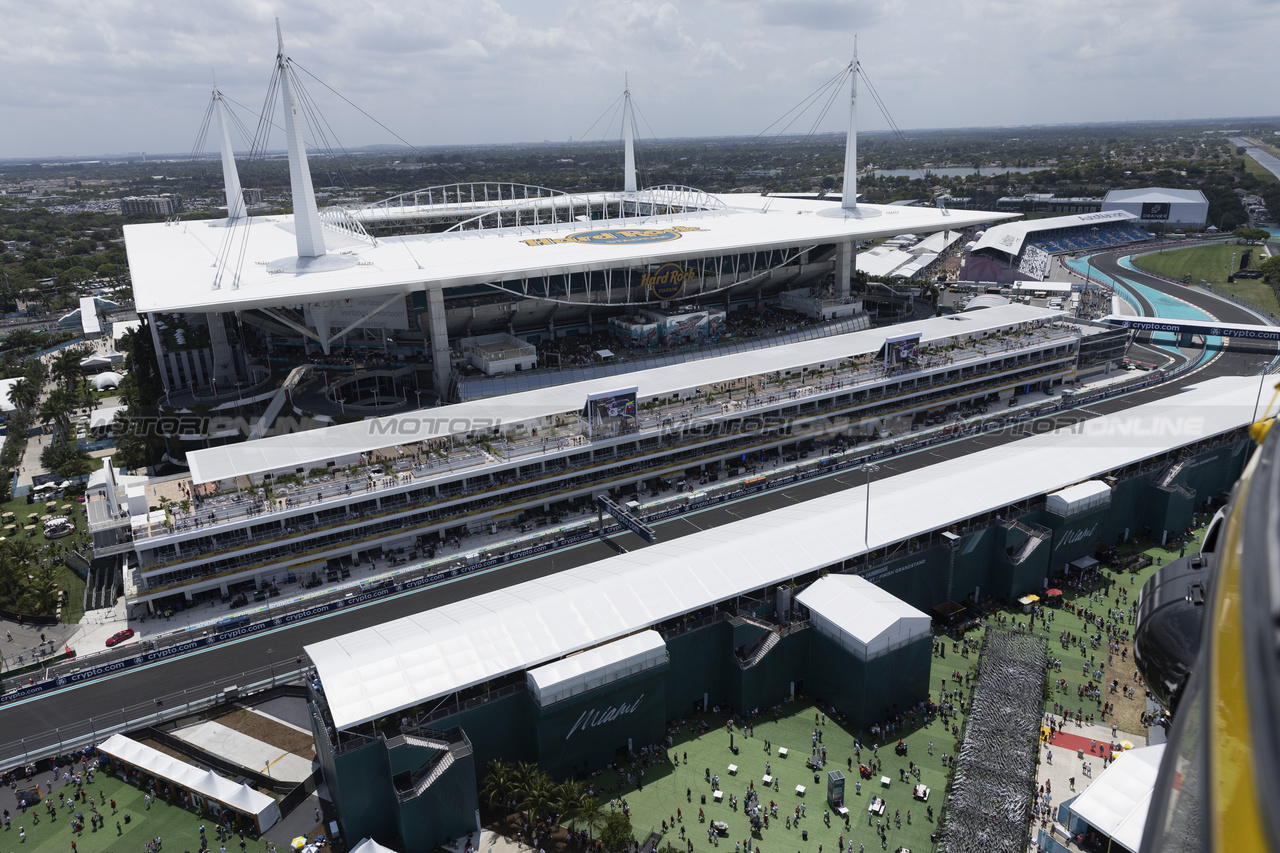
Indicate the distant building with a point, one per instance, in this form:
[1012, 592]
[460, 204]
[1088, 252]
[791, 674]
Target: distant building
[1048, 203]
[1187, 208]
[167, 204]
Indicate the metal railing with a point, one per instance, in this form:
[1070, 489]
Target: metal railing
[155, 712]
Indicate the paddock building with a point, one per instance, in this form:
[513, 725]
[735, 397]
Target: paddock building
[826, 598]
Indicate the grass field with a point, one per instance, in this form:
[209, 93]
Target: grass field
[67, 579]
[178, 829]
[681, 782]
[1211, 264]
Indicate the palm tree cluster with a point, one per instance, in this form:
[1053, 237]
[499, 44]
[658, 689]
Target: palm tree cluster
[27, 584]
[525, 786]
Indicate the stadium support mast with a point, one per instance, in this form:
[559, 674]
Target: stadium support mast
[230, 177]
[628, 141]
[306, 216]
[849, 197]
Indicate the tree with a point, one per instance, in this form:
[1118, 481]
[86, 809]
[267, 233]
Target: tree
[537, 796]
[1252, 235]
[25, 394]
[499, 778]
[67, 460]
[591, 814]
[41, 594]
[66, 366]
[617, 834]
[1271, 268]
[569, 796]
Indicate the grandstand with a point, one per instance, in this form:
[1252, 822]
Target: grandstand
[1022, 251]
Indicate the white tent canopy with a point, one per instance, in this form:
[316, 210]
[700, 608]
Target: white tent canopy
[203, 782]
[862, 618]
[395, 665]
[596, 667]
[1079, 498]
[1116, 803]
[103, 381]
[368, 845]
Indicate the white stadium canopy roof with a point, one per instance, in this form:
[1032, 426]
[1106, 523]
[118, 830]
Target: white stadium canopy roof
[1117, 802]
[399, 664]
[1009, 236]
[862, 618]
[317, 447]
[173, 265]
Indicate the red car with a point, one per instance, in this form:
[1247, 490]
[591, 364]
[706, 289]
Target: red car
[120, 637]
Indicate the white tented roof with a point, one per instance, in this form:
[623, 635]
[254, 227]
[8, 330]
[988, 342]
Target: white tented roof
[1155, 194]
[1027, 287]
[385, 668]
[204, 782]
[6, 385]
[862, 618]
[105, 416]
[1116, 803]
[370, 846]
[109, 379]
[1008, 236]
[89, 321]
[882, 261]
[345, 441]
[596, 667]
[936, 243]
[1078, 498]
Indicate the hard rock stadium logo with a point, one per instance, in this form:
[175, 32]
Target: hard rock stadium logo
[668, 280]
[617, 236]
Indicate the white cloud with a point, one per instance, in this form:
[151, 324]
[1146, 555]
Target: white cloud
[104, 76]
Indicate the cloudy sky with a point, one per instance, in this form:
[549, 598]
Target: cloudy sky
[83, 77]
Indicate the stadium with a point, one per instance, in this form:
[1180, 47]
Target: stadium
[1024, 251]
[432, 293]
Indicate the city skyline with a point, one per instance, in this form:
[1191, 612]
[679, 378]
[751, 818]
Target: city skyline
[100, 79]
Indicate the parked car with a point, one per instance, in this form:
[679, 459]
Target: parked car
[119, 637]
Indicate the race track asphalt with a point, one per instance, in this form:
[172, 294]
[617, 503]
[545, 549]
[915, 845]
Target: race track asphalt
[105, 697]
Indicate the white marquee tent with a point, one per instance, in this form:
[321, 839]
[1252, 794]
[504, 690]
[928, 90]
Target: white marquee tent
[1116, 803]
[206, 783]
[596, 667]
[862, 618]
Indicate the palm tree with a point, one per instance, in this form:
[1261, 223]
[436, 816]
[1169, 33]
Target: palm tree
[66, 366]
[591, 813]
[41, 594]
[569, 797]
[58, 408]
[499, 777]
[537, 795]
[25, 394]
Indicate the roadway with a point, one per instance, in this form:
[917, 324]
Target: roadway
[103, 697]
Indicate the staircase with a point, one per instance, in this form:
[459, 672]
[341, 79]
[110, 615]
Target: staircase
[1035, 535]
[1170, 473]
[450, 746]
[759, 650]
